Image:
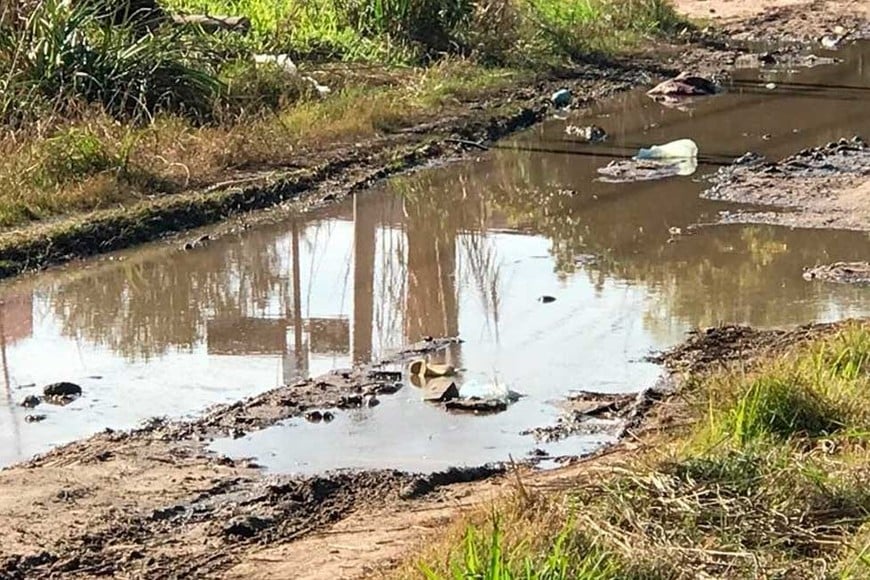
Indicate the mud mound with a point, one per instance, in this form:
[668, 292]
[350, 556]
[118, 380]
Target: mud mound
[711, 348]
[820, 187]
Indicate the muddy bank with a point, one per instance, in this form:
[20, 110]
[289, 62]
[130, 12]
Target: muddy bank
[153, 502]
[823, 187]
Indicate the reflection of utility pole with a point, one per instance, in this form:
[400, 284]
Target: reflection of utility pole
[299, 351]
[364, 241]
[431, 308]
[16, 434]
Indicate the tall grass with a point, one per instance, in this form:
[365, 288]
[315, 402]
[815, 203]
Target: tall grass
[413, 31]
[61, 56]
[769, 482]
[818, 393]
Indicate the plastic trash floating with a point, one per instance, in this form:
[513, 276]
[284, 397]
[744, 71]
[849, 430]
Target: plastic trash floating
[679, 149]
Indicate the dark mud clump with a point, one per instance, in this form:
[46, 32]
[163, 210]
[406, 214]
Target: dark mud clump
[712, 348]
[420, 486]
[841, 272]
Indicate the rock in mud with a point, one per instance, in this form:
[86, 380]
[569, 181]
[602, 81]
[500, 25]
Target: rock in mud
[440, 390]
[61, 393]
[561, 98]
[842, 272]
[685, 84]
[247, 526]
[31, 401]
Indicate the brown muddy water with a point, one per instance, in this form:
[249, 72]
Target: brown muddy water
[467, 249]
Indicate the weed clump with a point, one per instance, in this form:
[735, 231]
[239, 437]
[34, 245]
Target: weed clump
[769, 482]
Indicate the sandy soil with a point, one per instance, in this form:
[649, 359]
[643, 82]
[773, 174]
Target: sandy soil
[743, 9]
[152, 503]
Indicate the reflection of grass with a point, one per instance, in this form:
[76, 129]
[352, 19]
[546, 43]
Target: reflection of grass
[765, 482]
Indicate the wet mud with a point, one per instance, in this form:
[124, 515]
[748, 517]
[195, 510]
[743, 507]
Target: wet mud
[819, 187]
[714, 348]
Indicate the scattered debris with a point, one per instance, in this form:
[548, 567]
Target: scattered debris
[685, 84]
[842, 272]
[767, 58]
[282, 61]
[588, 133]
[322, 90]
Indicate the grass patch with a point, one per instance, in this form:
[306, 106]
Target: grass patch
[95, 113]
[768, 482]
[506, 32]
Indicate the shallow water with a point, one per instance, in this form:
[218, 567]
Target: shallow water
[467, 249]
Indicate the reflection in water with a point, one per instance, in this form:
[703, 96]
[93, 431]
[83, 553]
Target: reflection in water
[464, 250]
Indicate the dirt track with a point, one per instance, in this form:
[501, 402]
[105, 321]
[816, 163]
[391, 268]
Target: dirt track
[153, 503]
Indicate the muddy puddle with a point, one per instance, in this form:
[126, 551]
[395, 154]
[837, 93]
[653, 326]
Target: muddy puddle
[471, 250]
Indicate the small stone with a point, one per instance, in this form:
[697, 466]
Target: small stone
[61, 393]
[31, 401]
[34, 418]
[440, 390]
[766, 58]
[372, 402]
[314, 416]
[770, 86]
[547, 299]
[328, 417]
[561, 98]
[62, 389]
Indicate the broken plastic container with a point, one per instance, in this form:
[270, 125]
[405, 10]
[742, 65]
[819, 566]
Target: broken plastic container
[679, 149]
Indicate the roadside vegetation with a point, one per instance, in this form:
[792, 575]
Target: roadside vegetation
[766, 478]
[101, 105]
